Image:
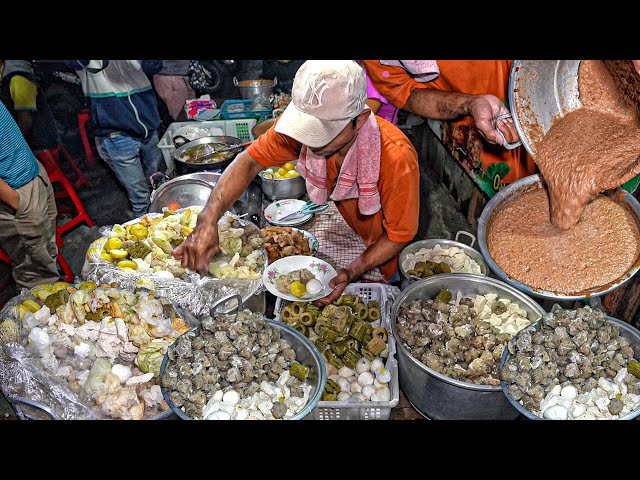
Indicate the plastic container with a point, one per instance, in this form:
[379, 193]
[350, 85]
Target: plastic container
[361, 410]
[233, 109]
[240, 128]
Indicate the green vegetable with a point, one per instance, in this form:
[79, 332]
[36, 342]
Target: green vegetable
[351, 357]
[303, 329]
[331, 387]
[57, 299]
[99, 314]
[444, 296]
[333, 359]
[320, 345]
[367, 354]
[328, 335]
[340, 348]
[97, 374]
[139, 250]
[301, 372]
[362, 312]
[381, 332]
[442, 268]
[634, 368]
[376, 345]
[358, 330]
[306, 319]
[150, 357]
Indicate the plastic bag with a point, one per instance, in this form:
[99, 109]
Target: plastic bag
[195, 293]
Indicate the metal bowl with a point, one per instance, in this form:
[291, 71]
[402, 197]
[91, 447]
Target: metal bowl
[540, 92]
[627, 331]
[434, 394]
[306, 354]
[444, 243]
[213, 161]
[182, 192]
[527, 184]
[278, 189]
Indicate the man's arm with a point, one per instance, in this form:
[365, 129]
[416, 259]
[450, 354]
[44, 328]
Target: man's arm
[8, 195]
[375, 255]
[199, 247]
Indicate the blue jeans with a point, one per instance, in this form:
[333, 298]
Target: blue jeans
[133, 161]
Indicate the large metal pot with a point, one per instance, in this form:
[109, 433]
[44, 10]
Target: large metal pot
[444, 243]
[306, 354]
[213, 162]
[541, 91]
[627, 331]
[532, 182]
[252, 89]
[438, 396]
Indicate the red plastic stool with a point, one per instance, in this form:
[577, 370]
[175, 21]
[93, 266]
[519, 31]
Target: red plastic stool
[57, 175]
[83, 118]
[53, 156]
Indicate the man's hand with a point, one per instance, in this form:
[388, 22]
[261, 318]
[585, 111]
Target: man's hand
[636, 63]
[485, 109]
[338, 283]
[198, 249]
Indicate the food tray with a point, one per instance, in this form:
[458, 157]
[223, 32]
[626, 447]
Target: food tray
[228, 110]
[361, 410]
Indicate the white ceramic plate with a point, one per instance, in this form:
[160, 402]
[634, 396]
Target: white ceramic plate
[282, 207]
[321, 269]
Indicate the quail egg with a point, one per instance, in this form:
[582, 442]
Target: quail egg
[314, 286]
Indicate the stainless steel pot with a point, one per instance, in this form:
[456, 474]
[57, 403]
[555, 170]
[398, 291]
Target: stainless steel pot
[438, 396]
[306, 354]
[627, 331]
[541, 91]
[252, 89]
[279, 189]
[180, 192]
[508, 194]
[444, 243]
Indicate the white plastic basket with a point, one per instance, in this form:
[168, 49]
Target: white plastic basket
[362, 410]
[234, 128]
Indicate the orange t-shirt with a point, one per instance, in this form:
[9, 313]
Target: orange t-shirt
[473, 77]
[399, 185]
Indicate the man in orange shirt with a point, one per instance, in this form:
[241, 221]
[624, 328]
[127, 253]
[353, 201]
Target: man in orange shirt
[481, 81]
[366, 165]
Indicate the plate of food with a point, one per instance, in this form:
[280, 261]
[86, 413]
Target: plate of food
[299, 278]
[280, 242]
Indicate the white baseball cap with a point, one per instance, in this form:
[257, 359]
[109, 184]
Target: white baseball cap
[326, 95]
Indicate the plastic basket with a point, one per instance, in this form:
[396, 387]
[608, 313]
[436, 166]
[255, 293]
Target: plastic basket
[227, 111]
[234, 128]
[361, 410]
[240, 128]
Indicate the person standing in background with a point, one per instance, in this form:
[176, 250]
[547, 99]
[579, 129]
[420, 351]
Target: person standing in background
[27, 209]
[172, 85]
[125, 119]
[23, 98]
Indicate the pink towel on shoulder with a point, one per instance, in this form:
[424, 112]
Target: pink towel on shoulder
[358, 177]
[422, 70]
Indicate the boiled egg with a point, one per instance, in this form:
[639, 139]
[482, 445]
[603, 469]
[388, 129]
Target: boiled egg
[314, 286]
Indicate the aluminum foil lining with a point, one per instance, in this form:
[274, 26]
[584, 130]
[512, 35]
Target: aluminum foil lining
[197, 294]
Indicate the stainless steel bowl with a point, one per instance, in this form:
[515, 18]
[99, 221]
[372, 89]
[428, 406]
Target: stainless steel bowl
[278, 189]
[540, 92]
[627, 331]
[434, 394]
[444, 243]
[532, 182]
[306, 354]
[182, 191]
